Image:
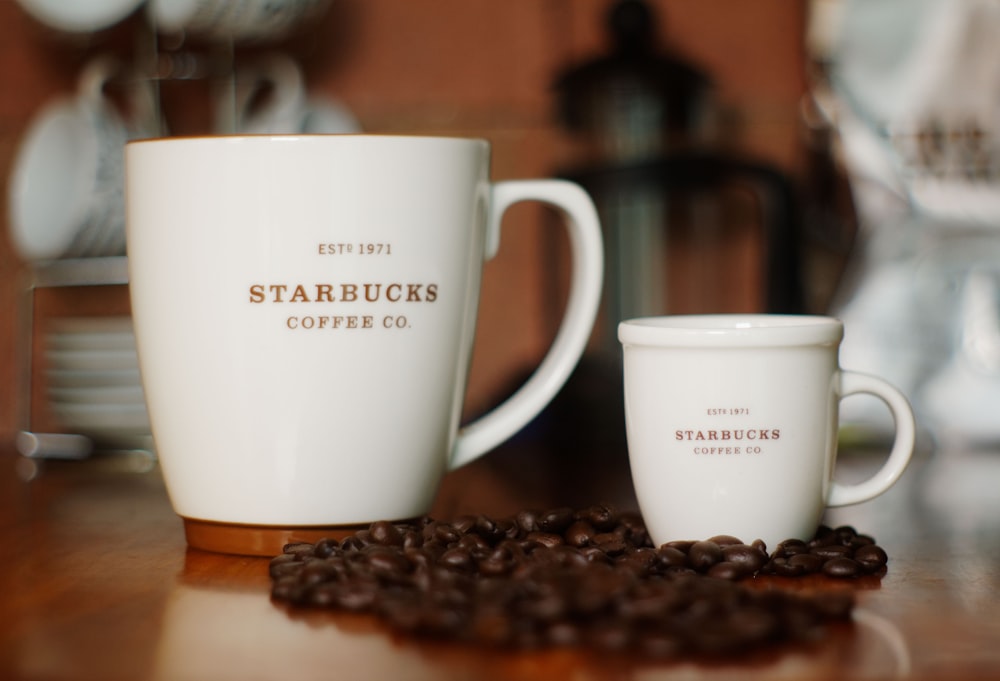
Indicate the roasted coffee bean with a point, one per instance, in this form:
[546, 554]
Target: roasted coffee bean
[325, 594]
[594, 555]
[703, 555]
[546, 539]
[458, 559]
[824, 537]
[352, 543]
[861, 540]
[841, 567]
[317, 571]
[442, 532]
[602, 517]
[568, 555]
[499, 562]
[871, 557]
[728, 570]
[385, 533]
[791, 547]
[356, 596]
[412, 539]
[509, 528]
[831, 551]
[475, 544]
[491, 531]
[580, 533]
[845, 534]
[671, 557]
[555, 520]
[783, 567]
[565, 578]
[634, 529]
[809, 562]
[611, 543]
[287, 588]
[419, 557]
[284, 564]
[641, 560]
[386, 563]
[750, 559]
[683, 545]
[527, 521]
[325, 547]
[299, 549]
[725, 540]
[464, 524]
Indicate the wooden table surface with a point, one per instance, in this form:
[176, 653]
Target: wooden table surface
[97, 584]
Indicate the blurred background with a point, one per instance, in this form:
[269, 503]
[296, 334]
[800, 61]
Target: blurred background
[823, 156]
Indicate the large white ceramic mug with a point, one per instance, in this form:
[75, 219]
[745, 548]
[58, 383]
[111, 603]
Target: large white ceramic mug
[304, 311]
[732, 424]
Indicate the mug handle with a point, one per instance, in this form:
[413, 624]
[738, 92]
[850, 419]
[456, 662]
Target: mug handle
[902, 448]
[586, 247]
[282, 113]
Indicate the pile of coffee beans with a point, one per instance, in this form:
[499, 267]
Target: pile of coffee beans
[564, 577]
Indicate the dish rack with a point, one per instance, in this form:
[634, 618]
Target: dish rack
[33, 446]
[156, 61]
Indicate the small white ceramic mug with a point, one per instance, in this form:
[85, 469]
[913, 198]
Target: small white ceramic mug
[304, 311]
[732, 424]
[66, 189]
[241, 20]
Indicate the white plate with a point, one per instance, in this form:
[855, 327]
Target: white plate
[68, 378]
[92, 325]
[107, 333]
[91, 341]
[107, 418]
[92, 360]
[126, 395]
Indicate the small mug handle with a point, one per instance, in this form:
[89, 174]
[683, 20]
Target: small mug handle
[902, 448]
[583, 227]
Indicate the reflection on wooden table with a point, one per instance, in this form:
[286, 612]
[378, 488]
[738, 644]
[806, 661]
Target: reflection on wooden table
[98, 584]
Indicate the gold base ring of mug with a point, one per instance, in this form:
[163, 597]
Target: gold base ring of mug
[257, 540]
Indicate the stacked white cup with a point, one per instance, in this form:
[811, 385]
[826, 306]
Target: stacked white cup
[79, 16]
[268, 96]
[237, 20]
[242, 20]
[66, 188]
